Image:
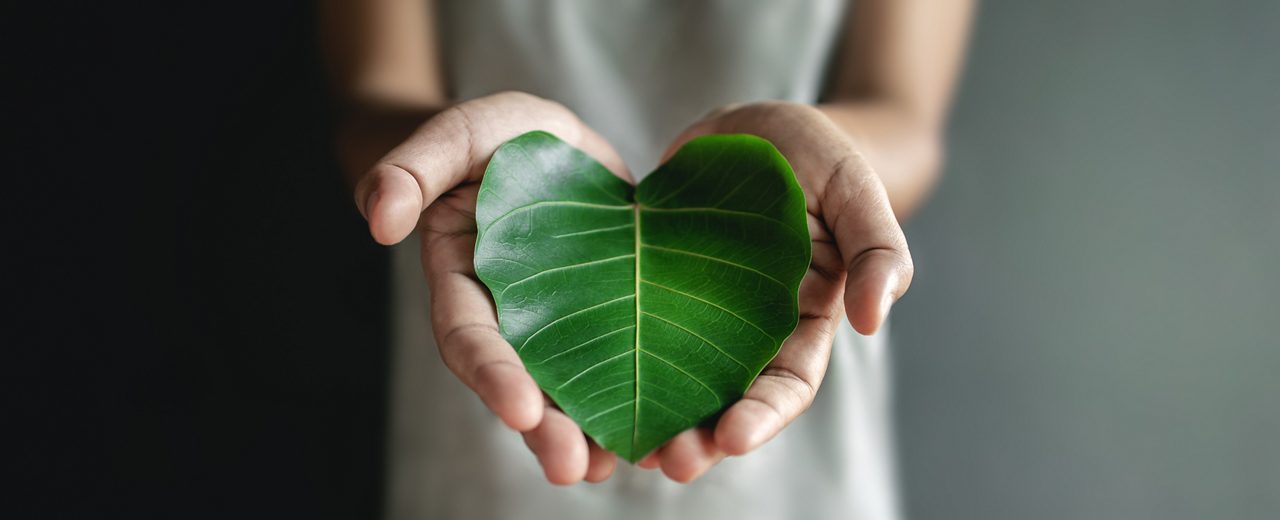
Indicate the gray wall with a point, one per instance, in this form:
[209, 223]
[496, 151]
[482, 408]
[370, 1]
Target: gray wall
[1092, 329]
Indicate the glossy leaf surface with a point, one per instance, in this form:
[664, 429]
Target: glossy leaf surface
[642, 311]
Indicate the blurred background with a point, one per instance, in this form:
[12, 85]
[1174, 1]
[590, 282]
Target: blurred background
[1092, 333]
[199, 319]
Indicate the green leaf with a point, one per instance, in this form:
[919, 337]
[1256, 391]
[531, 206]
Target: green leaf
[719, 239]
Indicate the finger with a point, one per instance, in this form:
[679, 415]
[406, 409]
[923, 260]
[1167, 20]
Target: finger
[690, 454]
[601, 463]
[560, 447]
[786, 387]
[871, 243]
[453, 147]
[650, 461]
[849, 197]
[479, 356]
[464, 321]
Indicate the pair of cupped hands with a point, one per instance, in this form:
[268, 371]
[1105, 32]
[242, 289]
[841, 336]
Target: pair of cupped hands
[860, 266]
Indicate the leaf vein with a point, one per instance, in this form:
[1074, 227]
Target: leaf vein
[610, 409]
[733, 212]
[700, 338]
[687, 374]
[590, 368]
[746, 179]
[706, 166]
[668, 408]
[567, 316]
[551, 203]
[713, 304]
[580, 345]
[720, 260]
[561, 268]
[605, 389]
[597, 230]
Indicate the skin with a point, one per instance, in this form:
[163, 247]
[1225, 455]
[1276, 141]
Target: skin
[866, 158]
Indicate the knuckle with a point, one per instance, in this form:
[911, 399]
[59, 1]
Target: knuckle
[384, 169]
[907, 268]
[908, 265]
[454, 111]
[852, 170]
[801, 390]
[457, 119]
[451, 339]
[852, 183]
[390, 171]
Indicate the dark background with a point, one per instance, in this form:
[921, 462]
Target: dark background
[197, 318]
[199, 315]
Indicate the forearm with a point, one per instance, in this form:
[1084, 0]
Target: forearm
[385, 74]
[892, 89]
[905, 151]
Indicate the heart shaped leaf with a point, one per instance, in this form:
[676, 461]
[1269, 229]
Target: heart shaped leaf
[642, 310]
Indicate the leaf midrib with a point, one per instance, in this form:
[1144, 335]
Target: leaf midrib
[635, 420]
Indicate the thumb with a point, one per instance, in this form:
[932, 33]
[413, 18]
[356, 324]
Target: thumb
[438, 156]
[452, 148]
[390, 198]
[856, 207]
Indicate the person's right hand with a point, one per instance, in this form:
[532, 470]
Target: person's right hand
[429, 182]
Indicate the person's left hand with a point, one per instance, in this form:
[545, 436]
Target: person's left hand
[858, 251]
